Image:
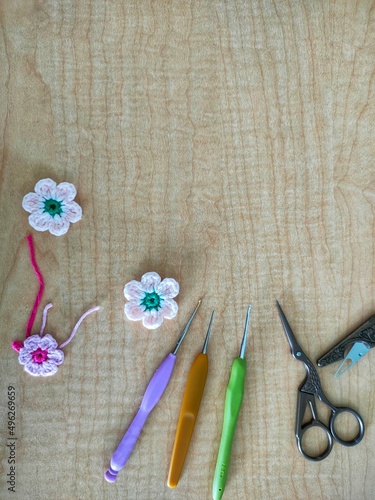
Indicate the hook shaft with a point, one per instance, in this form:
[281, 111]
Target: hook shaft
[186, 328]
[244, 338]
[204, 350]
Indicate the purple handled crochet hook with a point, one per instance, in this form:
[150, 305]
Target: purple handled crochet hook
[154, 392]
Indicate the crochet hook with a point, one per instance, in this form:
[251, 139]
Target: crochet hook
[233, 400]
[154, 392]
[189, 411]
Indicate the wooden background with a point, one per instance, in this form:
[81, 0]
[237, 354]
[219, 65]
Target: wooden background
[227, 144]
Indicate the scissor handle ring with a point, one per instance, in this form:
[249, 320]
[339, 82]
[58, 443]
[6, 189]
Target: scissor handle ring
[306, 427]
[339, 411]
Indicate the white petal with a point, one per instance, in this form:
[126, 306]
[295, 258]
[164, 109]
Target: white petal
[168, 288]
[40, 220]
[134, 290]
[35, 369]
[72, 211]
[65, 191]
[46, 188]
[134, 311]
[48, 342]
[152, 319]
[24, 357]
[32, 343]
[169, 308]
[150, 281]
[58, 225]
[32, 202]
[48, 368]
[56, 356]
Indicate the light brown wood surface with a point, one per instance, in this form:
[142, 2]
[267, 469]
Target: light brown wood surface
[227, 144]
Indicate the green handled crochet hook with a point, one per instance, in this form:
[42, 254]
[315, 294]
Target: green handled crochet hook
[233, 400]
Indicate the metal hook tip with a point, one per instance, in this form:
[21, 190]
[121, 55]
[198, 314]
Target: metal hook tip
[244, 338]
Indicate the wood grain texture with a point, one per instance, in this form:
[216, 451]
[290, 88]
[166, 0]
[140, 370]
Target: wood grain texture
[227, 144]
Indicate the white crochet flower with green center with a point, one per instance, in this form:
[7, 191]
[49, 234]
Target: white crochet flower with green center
[151, 300]
[51, 207]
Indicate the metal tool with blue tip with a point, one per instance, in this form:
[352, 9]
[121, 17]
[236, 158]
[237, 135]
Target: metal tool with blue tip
[361, 341]
[308, 390]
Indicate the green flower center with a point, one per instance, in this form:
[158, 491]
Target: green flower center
[53, 207]
[151, 300]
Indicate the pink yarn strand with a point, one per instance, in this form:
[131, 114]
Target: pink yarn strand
[74, 331]
[34, 310]
[45, 311]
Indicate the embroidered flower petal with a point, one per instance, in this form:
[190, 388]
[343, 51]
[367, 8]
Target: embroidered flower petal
[152, 319]
[57, 356]
[169, 308]
[168, 288]
[35, 369]
[49, 368]
[41, 369]
[32, 343]
[150, 281]
[72, 211]
[24, 356]
[65, 191]
[134, 311]
[134, 290]
[32, 202]
[47, 342]
[40, 220]
[58, 225]
[45, 188]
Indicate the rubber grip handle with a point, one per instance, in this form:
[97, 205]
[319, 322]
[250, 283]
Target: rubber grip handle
[233, 401]
[124, 449]
[158, 383]
[188, 414]
[154, 392]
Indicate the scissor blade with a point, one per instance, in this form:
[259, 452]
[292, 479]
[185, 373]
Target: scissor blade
[295, 348]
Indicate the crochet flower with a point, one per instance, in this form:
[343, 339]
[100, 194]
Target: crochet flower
[151, 300]
[51, 207]
[40, 355]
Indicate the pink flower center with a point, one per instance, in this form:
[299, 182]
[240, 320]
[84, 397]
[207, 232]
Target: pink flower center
[39, 356]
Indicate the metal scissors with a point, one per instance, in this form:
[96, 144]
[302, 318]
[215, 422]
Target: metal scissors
[310, 388]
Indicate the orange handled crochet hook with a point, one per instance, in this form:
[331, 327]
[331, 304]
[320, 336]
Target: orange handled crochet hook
[189, 411]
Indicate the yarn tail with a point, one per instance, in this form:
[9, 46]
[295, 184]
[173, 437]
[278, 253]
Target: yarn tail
[74, 331]
[39, 275]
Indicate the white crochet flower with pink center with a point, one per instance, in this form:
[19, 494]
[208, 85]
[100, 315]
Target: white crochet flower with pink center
[151, 300]
[40, 355]
[51, 207]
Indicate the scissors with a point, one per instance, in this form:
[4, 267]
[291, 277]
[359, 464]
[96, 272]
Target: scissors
[310, 388]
